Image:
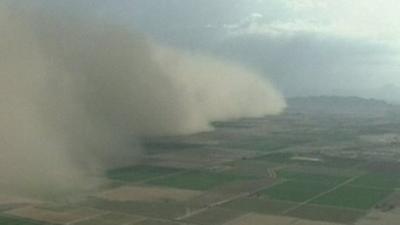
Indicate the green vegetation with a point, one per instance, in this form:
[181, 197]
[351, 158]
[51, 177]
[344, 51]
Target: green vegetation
[250, 167]
[312, 177]
[296, 159]
[378, 180]
[258, 145]
[296, 191]
[5, 220]
[196, 180]
[138, 173]
[353, 197]
[270, 143]
[328, 171]
[338, 162]
[155, 147]
[331, 214]
[263, 206]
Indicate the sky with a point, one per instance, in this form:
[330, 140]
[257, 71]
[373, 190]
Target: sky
[307, 47]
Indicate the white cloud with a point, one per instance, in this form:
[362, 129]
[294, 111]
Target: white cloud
[277, 28]
[376, 20]
[304, 4]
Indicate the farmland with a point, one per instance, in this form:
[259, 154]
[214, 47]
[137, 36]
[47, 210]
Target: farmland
[302, 167]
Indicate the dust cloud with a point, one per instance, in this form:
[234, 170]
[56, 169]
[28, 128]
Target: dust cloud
[77, 92]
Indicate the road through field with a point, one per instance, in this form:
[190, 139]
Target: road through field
[321, 194]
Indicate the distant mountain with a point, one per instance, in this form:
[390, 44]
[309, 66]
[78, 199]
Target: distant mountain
[390, 93]
[340, 105]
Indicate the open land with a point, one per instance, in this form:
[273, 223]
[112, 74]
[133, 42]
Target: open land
[325, 161]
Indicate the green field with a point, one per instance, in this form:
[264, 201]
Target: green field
[326, 171]
[197, 180]
[311, 177]
[260, 145]
[263, 206]
[331, 214]
[378, 180]
[255, 168]
[154, 147]
[4, 220]
[296, 191]
[269, 143]
[338, 162]
[140, 172]
[353, 197]
[319, 165]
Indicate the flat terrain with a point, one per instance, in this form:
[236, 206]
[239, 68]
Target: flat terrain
[148, 194]
[295, 191]
[325, 161]
[197, 180]
[6, 220]
[353, 197]
[139, 173]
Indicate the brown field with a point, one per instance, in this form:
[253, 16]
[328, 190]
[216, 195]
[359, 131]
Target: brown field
[380, 218]
[393, 201]
[308, 222]
[16, 200]
[166, 210]
[326, 213]
[257, 219]
[214, 216]
[44, 215]
[112, 219]
[156, 222]
[325, 175]
[148, 194]
[207, 198]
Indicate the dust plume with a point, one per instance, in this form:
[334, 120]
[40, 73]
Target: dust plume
[78, 92]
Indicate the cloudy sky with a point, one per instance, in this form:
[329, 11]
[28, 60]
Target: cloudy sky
[307, 47]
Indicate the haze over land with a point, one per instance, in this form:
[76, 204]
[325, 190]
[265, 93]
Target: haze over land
[79, 90]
